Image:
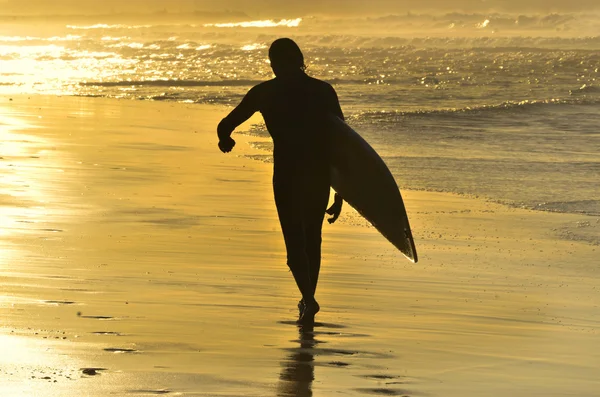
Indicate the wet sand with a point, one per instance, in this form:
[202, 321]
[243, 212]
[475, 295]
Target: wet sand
[139, 260]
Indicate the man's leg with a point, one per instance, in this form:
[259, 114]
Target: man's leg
[297, 260]
[314, 213]
[290, 212]
[313, 251]
[313, 226]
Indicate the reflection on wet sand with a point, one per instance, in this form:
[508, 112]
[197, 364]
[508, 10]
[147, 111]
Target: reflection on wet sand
[298, 370]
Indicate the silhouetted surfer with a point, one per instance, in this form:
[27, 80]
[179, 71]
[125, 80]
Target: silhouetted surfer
[295, 108]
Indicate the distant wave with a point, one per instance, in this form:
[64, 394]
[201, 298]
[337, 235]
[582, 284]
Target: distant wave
[196, 96]
[172, 83]
[570, 23]
[290, 23]
[106, 26]
[70, 37]
[314, 40]
[558, 23]
[221, 83]
[501, 107]
[450, 42]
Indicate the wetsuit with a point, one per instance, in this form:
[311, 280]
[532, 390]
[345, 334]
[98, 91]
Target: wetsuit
[295, 111]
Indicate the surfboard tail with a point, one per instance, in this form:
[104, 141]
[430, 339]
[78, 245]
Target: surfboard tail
[412, 255]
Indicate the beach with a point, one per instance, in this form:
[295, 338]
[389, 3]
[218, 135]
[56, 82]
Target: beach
[137, 259]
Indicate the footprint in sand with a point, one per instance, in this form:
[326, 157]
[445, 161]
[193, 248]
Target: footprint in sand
[380, 377]
[92, 371]
[119, 350]
[337, 364]
[385, 392]
[79, 314]
[51, 302]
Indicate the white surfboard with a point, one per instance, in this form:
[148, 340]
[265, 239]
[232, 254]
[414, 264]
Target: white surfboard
[361, 177]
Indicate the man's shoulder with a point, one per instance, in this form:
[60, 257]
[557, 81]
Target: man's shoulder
[320, 83]
[265, 85]
[274, 86]
[259, 91]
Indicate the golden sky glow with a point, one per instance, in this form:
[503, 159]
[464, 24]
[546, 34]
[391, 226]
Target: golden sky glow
[271, 7]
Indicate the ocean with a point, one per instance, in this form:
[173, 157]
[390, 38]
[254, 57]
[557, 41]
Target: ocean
[503, 107]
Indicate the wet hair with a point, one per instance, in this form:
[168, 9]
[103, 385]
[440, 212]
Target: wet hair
[286, 53]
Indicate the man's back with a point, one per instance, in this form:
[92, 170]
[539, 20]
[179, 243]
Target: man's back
[296, 111]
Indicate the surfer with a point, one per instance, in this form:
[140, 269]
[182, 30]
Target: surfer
[295, 108]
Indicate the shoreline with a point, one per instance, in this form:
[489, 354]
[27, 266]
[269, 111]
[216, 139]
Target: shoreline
[170, 251]
[261, 154]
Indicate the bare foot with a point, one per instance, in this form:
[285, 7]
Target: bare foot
[301, 307]
[308, 315]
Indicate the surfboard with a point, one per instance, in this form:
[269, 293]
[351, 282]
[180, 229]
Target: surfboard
[365, 182]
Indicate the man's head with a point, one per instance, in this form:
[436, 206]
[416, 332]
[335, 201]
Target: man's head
[286, 57]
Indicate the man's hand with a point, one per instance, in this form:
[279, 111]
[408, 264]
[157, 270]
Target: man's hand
[335, 209]
[226, 144]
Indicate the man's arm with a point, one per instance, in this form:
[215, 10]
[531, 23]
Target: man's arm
[237, 116]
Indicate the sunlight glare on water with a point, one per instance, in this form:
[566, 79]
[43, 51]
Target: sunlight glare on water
[53, 68]
[252, 47]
